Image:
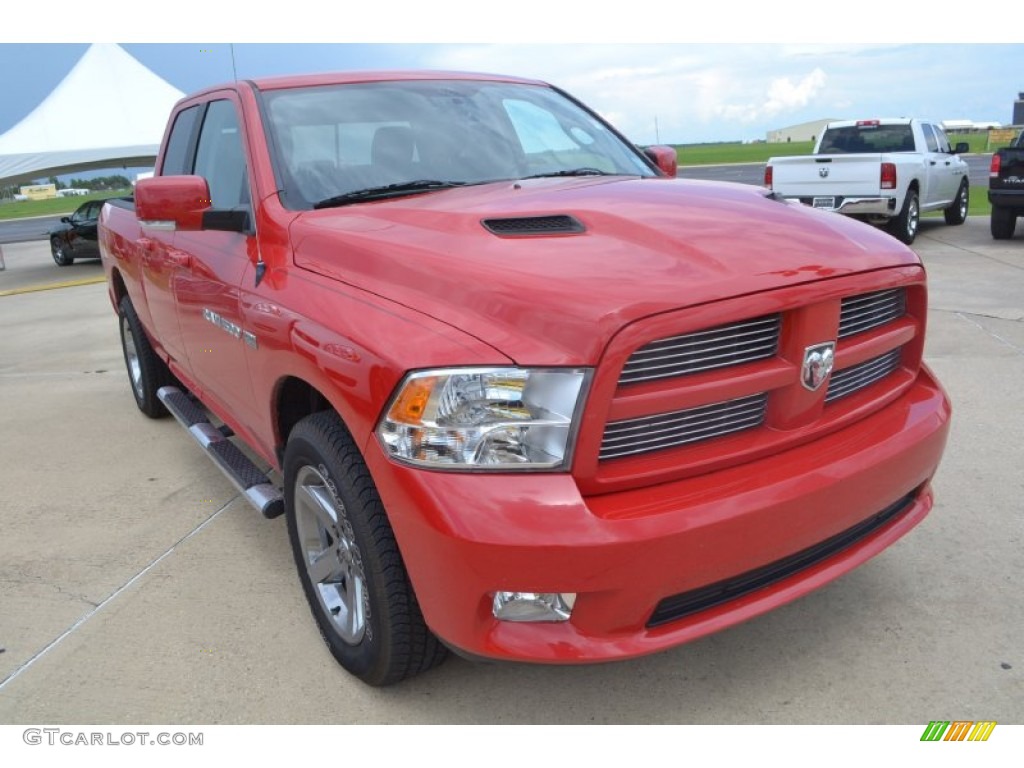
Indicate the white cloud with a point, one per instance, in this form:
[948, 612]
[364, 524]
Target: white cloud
[783, 96]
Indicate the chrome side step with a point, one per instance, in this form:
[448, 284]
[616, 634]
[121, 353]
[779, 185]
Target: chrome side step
[253, 483]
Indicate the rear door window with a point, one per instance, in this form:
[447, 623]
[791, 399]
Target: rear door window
[929, 137]
[176, 158]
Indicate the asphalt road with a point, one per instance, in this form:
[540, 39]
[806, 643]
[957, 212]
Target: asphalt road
[25, 230]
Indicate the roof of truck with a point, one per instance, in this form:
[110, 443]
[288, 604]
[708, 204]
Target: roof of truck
[874, 121]
[369, 76]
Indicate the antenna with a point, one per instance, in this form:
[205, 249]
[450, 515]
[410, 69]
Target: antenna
[234, 72]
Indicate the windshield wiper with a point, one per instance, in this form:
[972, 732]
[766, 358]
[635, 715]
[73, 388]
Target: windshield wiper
[386, 191]
[571, 172]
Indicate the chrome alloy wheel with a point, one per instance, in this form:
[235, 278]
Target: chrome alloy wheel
[331, 557]
[131, 357]
[913, 217]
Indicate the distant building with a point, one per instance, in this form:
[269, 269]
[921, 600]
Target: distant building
[968, 126]
[802, 132]
[1018, 110]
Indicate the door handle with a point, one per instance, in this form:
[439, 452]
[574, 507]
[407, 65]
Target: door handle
[179, 259]
[146, 248]
[304, 343]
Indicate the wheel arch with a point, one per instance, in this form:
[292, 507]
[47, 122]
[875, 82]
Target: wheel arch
[914, 185]
[294, 399]
[118, 289]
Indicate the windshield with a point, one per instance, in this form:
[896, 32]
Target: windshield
[868, 138]
[338, 139]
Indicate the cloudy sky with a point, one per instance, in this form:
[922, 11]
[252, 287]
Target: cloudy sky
[676, 80]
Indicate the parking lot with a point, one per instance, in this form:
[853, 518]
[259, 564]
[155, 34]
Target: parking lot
[137, 587]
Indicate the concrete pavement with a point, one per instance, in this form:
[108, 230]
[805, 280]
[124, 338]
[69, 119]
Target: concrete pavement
[136, 587]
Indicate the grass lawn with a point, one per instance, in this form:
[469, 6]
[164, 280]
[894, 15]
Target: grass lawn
[978, 205]
[715, 154]
[20, 209]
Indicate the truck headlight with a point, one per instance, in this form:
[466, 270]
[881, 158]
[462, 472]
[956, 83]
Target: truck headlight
[485, 418]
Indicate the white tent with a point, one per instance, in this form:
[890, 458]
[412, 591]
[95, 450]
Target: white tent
[110, 110]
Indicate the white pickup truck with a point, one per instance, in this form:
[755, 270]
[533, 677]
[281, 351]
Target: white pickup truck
[886, 172]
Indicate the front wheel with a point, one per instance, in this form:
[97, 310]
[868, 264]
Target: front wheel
[1003, 221]
[348, 561]
[904, 226]
[957, 212]
[61, 255]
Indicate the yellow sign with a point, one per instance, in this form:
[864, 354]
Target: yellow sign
[1001, 137]
[40, 191]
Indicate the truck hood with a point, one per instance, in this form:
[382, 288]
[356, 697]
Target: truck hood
[649, 246]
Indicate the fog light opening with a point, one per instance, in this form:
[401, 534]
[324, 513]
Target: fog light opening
[533, 606]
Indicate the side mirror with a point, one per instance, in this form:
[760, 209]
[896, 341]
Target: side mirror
[172, 202]
[962, 148]
[65, 219]
[665, 158]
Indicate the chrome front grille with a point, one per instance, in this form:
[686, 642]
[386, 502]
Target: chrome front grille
[669, 430]
[748, 356]
[871, 310]
[857, 377]
[720, 347]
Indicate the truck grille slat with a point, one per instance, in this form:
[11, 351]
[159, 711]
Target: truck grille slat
[668, 430]
[694, 349]
[695, 417]
[680, 436]
[698, 364]
[728, 345]
[856, 378]
[871, 310]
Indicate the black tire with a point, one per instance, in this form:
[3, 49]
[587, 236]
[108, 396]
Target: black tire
[146, 371]
[1002, 222]
[348, 561]
[957, 212]
[61, 256]
[904, 226]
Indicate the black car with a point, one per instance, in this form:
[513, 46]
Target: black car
[75, 237]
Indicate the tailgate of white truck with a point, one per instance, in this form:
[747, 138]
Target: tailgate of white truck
[826, 178]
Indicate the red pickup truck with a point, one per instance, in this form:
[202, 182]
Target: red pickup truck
[518, 391]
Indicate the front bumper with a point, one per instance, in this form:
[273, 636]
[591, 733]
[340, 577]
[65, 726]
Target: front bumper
[629, 554]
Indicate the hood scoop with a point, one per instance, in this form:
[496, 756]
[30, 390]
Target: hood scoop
[527, 226]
